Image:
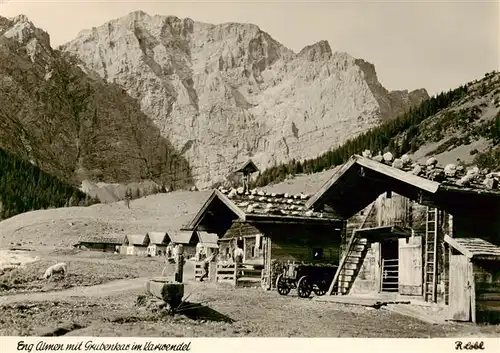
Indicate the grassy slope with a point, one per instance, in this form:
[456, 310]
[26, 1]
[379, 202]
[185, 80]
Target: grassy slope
[61, 227]
[463, 131]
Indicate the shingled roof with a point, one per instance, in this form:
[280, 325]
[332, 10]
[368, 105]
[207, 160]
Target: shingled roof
[247, 167]
[158, 238]
[450, 175]
[361, 179]
[179, 236]
[100, 239]
[266, 203]
[475, 248]
[207, 238]
[259, 206]
[135, 239]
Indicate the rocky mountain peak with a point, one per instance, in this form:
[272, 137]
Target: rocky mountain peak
[368, 70]
[20, 29]
[23, 30]
[224, 93]
[318, 51]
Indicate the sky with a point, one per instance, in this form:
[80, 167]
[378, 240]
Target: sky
[436, 45]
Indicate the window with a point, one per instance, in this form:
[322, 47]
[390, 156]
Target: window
[253, 251]
[317, 253]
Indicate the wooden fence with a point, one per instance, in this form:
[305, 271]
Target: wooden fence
[229, 273]
[198, 270]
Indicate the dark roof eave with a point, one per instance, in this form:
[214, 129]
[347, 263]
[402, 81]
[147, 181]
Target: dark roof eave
[445, 188]
[257, 218]
[385, 231]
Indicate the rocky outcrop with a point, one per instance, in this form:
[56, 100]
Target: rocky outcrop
[73, 125]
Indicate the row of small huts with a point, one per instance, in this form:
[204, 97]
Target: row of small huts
[412, 230]
[151, 243]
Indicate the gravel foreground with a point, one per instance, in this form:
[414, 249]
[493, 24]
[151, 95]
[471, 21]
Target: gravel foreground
[104, 295]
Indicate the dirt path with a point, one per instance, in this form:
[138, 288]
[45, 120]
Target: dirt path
[102, 290]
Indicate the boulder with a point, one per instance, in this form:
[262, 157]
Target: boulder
[398, 163]
[367, 154]
[417, 170]
[387, 157]
[450, 170]
[490, 183]
[405, 159]
[437, 175]
[431, 161]
[378, 158]
[232, 194]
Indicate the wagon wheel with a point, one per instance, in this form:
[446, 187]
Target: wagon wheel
[282, 285]
[321, 288]
[304, 287]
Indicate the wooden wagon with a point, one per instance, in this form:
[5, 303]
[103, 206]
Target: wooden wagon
[306, 278]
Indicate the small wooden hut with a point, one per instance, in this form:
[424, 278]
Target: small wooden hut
[99, 243]
[186, 239]
[475, 276]
[135, 244]
[206, 242]
[157, 243]
[398, 220]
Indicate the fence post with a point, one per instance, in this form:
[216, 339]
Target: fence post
[212, 271]
[236, 266]
[179, 263]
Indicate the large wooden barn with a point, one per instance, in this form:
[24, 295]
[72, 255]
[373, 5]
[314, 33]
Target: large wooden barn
[107, 243]
[417, 231]
[270, 228]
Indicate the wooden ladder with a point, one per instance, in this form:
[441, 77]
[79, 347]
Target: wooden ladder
[352, 242]
[431, 236]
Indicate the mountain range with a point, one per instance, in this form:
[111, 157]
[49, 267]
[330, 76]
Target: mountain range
[177, 101]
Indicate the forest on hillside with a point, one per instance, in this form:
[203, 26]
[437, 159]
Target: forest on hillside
[382, 138]
[24, 187]
[407, 133]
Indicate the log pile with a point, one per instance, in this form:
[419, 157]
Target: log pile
[451, 174]
[258, 201]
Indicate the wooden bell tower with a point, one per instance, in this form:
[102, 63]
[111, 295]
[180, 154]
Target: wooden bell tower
[247, 170]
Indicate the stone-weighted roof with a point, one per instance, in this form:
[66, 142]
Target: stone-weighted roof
[258, 201]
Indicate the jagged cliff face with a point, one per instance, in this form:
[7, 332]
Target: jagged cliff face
[224, 93]
[73, 125]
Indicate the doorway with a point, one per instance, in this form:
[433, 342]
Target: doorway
[389, 253]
